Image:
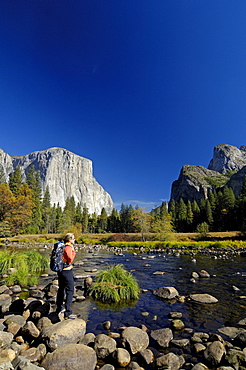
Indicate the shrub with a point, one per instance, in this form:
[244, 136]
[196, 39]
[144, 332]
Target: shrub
[115, 284]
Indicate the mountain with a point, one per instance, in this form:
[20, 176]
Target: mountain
[65, 174]
[227, 167]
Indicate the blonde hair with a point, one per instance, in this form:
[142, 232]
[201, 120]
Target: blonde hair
[68, 236]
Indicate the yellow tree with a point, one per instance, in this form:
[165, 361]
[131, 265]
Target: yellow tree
[21, 211]
[141, 221]
[163, 228]
[6, 201]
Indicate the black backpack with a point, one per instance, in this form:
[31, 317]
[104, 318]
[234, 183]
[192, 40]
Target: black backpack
[56, 261]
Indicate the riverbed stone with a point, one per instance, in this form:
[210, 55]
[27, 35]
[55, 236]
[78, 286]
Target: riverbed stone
[147, 356]
[30, 329]
[22, 363]
[7, 355]
[88, 338]
[122, 357]
[214, 352]
[203, 298]
[72, 357]
[104, 345]
[15, 289]
[169, 361]
[236, 358]
[63, 333]
[166, 292]
[3, 288]
[31, 354]
[5, 302]
[5, 339]
[6, 366]
[181, 343]
[203, 274]
[177, 324]
[135, 339]
[230, 331]
[199, 366]
[162, 336]
[134, 366]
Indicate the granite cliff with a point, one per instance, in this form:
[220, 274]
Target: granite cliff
[227, 167]
[66, 174]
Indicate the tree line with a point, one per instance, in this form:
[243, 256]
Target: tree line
[23, 209]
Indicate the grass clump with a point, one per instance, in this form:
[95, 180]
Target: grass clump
[25, 263]
[115, 284]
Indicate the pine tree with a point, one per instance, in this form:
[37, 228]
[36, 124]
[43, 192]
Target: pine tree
[85, 220]
[46, 210]
[15, 180]
[102, 221]
[114, 221]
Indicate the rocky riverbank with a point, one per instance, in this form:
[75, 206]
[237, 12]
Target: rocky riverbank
[33, 337]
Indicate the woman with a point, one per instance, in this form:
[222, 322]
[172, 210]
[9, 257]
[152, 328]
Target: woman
[66, 279]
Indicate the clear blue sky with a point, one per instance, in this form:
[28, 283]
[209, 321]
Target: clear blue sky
[139, 87]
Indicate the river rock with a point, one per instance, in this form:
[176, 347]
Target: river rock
[147, 356]
[5, 339]
[134, 366]
[72, 357]
[104, 345]
[240, 339]
[31, 354]
[30, 329]
[236, 358]
[135, 339]
[181, 343]
[199, 366]
[63, 332]
[7, 355]
[230, 331]
[214, 353]
[177, 324]
[88, 338]
[22, 363]
[3, 288]
[169, 361]
[5, 302]
[203, 298]
[15, 289]
[122, 357]
[162, 336]
[203, 274]
[166, 292]
[107, 367]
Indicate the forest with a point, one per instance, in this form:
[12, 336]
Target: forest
[23, 210]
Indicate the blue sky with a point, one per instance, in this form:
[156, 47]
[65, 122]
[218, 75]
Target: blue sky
[139, 87]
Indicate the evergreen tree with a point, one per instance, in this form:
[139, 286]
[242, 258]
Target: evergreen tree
[85, 220]
[15, 180]
[126, 213]
[181, 212]
[46, 211]
[114, 221]
[92, 225]
[189, 216]
[102, 221]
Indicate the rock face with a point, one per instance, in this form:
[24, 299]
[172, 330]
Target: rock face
[227, 167]
[65, 174]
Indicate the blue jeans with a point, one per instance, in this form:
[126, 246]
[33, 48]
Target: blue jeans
[66, 287]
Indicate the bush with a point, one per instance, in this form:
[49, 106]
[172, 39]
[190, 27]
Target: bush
[115, 284]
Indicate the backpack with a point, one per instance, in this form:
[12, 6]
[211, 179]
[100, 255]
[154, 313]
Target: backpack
[56, 261]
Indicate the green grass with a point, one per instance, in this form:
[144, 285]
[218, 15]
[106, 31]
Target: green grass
[26, 263]
[115, 284]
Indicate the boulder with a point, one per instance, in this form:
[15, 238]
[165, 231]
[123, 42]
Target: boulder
[104, 345]
[162, 336]
[122, 357]
[135, 339]
[72, 357]
[214, 352]
[22, 363]
[63, 333]
[30, 329]
[166, 292]
[5, 302]
[169, 361]
[203, 298]
[5, 339]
